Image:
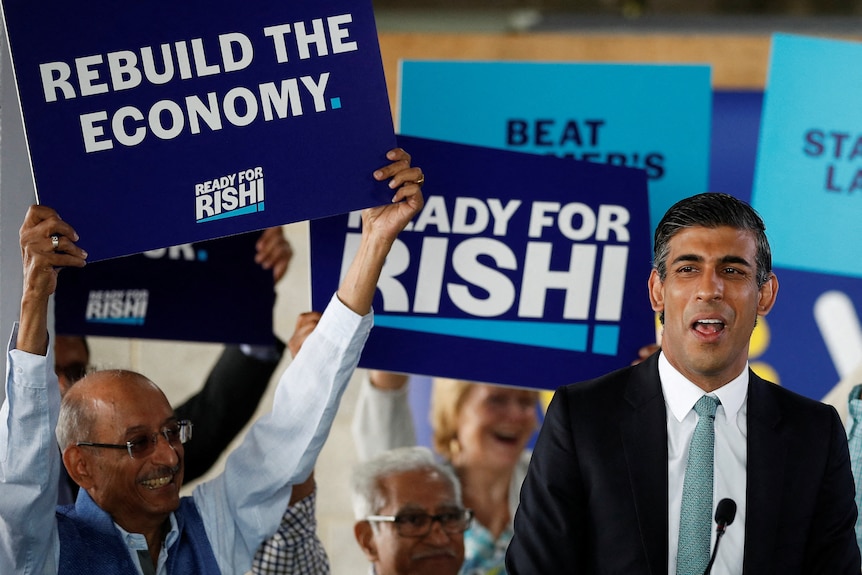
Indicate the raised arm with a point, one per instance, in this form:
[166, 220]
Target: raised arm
[382, 419]
[380, 227]
[47, 244]
[254, 490]
[30, 459]
[357, 290]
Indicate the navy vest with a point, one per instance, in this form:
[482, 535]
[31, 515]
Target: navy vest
[90, 543]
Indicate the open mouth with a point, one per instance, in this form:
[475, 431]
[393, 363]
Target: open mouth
[157, 482]
[507, 438]
[708, 326]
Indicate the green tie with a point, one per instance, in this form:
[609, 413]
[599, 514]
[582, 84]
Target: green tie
[695, 518]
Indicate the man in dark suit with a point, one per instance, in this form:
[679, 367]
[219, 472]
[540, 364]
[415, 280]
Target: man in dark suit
[604, 489]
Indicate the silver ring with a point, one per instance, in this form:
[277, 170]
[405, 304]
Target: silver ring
[55, 241]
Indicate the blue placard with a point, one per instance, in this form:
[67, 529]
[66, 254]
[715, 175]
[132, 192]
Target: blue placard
[521, 269]
[808, 180]
[733, 141]
[160, 123]
[654, 117]
[207, 291]
[812, 337]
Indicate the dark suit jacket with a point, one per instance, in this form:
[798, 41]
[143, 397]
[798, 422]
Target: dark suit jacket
[595, 496]
[224, 405]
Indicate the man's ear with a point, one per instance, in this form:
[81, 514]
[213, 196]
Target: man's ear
[767, 294]
[365, 537]
[656, 292]
[78, 466]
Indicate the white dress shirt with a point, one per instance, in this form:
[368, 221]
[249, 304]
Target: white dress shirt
[731, 450]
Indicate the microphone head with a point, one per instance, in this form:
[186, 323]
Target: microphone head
[725, 511]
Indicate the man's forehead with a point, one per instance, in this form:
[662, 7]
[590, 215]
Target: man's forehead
[730, 239]
[418, 489]
[124, 399]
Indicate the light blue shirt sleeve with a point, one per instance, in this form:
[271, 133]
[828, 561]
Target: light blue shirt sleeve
[854, 438]
[29, 464]
[382, 420]
[244, 505]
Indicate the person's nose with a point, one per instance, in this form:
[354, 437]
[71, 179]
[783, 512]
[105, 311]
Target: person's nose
[710, 287]
[519, 410]
[437, 535]
[165, 452]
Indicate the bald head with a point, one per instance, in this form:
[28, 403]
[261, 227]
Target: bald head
[112, 429]
[106, 398]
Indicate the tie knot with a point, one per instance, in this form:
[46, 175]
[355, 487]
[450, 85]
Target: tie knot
[706, 406]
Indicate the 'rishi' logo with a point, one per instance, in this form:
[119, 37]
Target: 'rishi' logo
[228, 196]
[128, 307]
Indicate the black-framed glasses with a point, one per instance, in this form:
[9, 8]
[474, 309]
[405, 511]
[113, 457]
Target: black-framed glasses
[143, 445]
[412, 524]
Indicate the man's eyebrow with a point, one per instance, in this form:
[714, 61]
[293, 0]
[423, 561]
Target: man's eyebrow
[687, 258]
[411, 509]
[136, 429]
[145, 429]
[728, 259]
[736, 260]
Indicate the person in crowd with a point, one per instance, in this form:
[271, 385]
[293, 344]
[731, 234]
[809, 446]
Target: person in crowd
[123, 444]
[230, 394]
[854, 438]
[629, 468]
[409, 515]
[295, 548]
[481, 430]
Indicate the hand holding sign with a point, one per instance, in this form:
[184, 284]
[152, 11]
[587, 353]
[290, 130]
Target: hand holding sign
[407, 182]
[380, 226]
[47, 244]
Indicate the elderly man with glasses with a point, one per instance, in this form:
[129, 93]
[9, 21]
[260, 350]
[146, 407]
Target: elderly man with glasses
[122, 442]
[409, 515]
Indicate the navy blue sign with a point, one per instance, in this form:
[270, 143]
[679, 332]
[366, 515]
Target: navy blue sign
[814, 331]
[733, 141]
[207, 291]
[521, 269]
[151, 124]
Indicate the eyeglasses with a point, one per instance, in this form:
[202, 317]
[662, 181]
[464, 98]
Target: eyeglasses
[142, 446]
[419, 524]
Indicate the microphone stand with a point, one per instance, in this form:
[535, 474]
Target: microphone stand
[719, 531]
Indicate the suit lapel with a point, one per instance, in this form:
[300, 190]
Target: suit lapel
[644, 437]
[767, 453]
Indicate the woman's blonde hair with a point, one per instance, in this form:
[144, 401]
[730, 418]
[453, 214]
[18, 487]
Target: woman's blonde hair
[447, 397]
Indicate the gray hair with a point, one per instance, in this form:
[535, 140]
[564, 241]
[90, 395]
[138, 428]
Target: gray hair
[77, 420]
[365, 492]
[712, 210]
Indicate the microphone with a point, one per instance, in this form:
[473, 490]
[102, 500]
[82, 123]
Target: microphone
[725, 513]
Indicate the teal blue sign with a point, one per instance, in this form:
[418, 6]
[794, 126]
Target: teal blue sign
[653, 117]
[808, 179]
